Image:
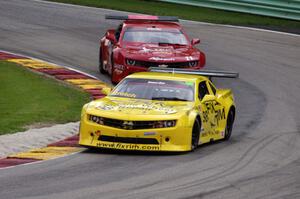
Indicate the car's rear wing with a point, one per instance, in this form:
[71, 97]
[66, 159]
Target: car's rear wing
[142, 17]
[207, 73]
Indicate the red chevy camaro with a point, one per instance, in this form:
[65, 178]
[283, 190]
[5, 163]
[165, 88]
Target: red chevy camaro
[143, 41]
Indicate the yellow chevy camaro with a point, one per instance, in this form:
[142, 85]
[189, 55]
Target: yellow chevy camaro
[162, 110]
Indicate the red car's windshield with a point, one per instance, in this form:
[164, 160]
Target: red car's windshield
[155, 89]
[155, 35]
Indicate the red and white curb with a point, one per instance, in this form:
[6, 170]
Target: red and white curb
[79, 79]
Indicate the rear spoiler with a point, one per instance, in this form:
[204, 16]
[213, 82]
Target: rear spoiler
[142, 17]
[207, 73]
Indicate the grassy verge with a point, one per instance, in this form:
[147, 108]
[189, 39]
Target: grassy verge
[27, 98]
[191, 13]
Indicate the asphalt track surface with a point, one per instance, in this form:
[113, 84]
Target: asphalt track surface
[262, 160]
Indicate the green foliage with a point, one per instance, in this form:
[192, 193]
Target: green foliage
[189, 12]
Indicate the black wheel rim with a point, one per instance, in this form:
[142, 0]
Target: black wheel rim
[195, 135]
[229, 126]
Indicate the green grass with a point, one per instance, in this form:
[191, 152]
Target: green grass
[27, 98]
[190, 12]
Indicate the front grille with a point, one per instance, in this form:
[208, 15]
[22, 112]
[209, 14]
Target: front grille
[128, 140]
[158, 64]
[129, 125]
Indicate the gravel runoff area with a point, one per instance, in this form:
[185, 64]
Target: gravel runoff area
[35, 138]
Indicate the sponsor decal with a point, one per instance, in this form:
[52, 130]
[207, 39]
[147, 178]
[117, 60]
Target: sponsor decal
[222, 133]
[125, 94]
[189, 58]
[123, 146]
[157, 51]
[149, 133]
[163, 65]
[210, 133]
[119, 67]
[160, 83]
[161, 59]
[145, 50]
[213, 115]
[136, 104]
[156, 29]
[105, 107]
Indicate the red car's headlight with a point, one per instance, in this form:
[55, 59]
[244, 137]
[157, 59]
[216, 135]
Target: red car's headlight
[193, 63]
[130, 62]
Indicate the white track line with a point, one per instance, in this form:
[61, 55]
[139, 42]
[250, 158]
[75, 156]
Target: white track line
[203, 23]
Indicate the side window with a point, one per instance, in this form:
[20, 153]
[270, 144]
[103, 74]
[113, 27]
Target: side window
[202, 90]
[118, 31]
[213, 88]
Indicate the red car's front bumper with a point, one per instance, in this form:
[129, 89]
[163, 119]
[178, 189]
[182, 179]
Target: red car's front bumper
[121, 72]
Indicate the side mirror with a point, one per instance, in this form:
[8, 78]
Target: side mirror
[195, 41]
[208, 98]
[106, 90]
[110, 35]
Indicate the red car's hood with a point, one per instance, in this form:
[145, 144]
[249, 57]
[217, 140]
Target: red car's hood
[161, 53]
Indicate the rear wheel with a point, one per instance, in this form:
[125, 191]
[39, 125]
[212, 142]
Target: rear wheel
[229, 124]
[101, 64]
[195, 135]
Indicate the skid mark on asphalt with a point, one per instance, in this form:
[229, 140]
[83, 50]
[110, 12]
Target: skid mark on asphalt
[233, 168]
[69, 145]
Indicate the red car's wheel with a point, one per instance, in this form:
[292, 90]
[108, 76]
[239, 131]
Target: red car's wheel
[112, 76]
[101, 64]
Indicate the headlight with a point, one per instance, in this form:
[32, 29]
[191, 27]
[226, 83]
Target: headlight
[164, 124]
[193, 63]
[96, 119]
[130, 62]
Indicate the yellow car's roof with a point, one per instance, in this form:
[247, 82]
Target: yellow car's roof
[167, 76]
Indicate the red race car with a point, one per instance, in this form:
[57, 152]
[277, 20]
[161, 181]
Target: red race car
[143, 41]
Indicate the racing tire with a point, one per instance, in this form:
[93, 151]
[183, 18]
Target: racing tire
[101, 69]
[195, 135]
[229, 125]
[112, 71]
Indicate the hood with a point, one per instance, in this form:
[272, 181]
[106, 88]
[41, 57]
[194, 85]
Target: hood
[119, 108]
[164, 53]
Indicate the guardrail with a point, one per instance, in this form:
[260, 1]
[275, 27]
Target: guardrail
[287, 9]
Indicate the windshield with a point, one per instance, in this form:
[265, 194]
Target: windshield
[151, 89]
[155, 35]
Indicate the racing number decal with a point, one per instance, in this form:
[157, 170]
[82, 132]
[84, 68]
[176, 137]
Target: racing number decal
[212, 114]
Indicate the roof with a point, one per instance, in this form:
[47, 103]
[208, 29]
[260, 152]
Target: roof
[167, 76]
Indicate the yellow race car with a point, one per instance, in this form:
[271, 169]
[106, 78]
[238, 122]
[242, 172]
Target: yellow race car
[161, 110]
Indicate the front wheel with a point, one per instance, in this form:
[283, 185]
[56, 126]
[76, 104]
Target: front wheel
[195, 135]
[101, 64]
[229, 124]
[112, 75]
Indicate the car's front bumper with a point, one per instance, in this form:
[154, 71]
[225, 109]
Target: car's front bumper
[176, 138]
[121, 72]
